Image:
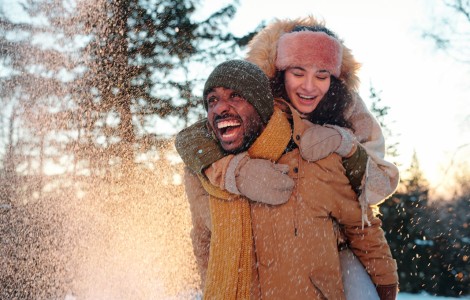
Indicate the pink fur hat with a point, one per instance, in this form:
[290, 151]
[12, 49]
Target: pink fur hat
[309, 48]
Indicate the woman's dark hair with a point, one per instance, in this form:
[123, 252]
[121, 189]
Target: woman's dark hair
[337, 99]
[331, 108]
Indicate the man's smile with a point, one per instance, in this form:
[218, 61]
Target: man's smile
[233, 120]
[228, 128]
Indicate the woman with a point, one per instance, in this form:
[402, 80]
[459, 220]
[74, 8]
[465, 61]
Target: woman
[321, 85]
[381, 177]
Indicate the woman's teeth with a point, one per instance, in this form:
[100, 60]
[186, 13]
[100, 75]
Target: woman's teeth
[306, 97]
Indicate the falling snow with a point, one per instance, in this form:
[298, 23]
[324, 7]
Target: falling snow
[113, 243]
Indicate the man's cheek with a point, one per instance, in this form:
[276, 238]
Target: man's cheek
[210, 127]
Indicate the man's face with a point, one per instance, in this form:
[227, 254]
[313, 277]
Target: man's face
[234, 121]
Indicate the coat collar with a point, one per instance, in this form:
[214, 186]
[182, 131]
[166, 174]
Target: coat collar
[299, 123]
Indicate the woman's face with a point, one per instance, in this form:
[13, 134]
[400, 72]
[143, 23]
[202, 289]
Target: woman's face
[306, 87]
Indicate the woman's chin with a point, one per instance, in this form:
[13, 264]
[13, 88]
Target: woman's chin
[306, 109]
[305, 106]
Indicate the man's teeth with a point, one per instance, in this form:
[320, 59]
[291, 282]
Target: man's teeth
[228, 135]
[224, 124]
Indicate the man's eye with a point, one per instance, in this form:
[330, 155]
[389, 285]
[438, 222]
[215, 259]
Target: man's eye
[236, 95]
[211, 100]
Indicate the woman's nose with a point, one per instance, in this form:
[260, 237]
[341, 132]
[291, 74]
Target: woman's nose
[308, 84]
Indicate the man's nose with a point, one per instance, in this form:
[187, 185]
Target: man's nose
[222, 106]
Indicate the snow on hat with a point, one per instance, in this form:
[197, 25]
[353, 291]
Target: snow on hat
[309, 47]
[248, 80]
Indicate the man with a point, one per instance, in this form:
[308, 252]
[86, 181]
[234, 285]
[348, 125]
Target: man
[253, 250]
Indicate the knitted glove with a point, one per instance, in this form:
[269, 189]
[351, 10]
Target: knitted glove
[197, 148]
[259, 180]
[318, 142]
[355, 167]
[387, 292]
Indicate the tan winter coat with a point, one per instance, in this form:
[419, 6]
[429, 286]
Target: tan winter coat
[382, 177]
[295, 243]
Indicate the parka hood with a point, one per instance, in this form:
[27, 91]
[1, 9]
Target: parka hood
[262, 49]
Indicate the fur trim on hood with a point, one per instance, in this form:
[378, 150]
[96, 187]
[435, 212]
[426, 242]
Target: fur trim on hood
[262, 49]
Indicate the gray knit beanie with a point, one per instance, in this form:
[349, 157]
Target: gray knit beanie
[248, 80]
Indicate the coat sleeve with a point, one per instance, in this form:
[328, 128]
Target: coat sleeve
[200, 215]
[367, 242]
[197, 148]
[381, 177]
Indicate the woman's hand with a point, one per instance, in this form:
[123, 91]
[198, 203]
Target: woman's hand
[259, 180]
[318, 142]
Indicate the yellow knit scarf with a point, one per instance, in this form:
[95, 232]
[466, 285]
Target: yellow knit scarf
[230, 266]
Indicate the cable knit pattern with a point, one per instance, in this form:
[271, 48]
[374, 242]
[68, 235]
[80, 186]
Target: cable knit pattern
[229, 270]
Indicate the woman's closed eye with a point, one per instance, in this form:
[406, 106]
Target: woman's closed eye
[296, 71]
[323, 74]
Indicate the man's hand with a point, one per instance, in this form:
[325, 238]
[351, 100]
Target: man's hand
[259, 180]
[318, 142]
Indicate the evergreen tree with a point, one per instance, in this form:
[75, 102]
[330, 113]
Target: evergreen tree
[405, 221]
[90, 93]
[428, 240]
[451, 245]
[139, 69]
[381, 111]
[31, 90]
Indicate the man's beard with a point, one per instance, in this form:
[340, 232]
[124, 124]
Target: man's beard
[248, 140]
[249, 136]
